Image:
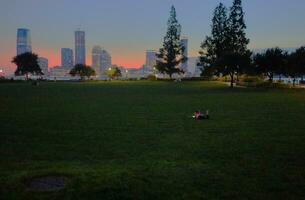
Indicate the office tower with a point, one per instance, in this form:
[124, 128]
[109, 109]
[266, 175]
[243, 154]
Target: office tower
[44, 65]
[106, 61]
[67, 57]
[101, 60]
[80, 47]
[150, 58]
[184, 42]
[97, 59]
[23, 41]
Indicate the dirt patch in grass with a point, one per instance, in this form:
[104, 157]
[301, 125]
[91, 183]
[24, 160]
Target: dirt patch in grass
[46, 183]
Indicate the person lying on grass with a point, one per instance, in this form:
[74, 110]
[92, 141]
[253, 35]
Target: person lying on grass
[199, 116]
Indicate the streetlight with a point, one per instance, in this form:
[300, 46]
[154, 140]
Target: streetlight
[126, 73]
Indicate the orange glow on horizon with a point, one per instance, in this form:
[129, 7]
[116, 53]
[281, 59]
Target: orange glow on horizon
[135, 60]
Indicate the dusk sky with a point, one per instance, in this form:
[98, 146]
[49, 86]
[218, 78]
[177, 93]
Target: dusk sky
[127, 28]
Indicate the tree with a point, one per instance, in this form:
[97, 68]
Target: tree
[229, 64]
[171, 54]
[295, 66]
[236, 37]
[82, 71]
[114, 72]
[236, 29]
[27, 63]
[228, 41]
[215, 45]
[271, 62]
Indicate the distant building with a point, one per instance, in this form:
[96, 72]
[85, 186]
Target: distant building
[193, 67]
[97, 59]
[44, 65]
[106, 61]
[151, 58]
[23, 41]
[80, 47]
[60, 71]
[101, 60]
[184, 42]
[67, 57]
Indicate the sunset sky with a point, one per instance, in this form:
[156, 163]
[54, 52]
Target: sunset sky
[127, 28]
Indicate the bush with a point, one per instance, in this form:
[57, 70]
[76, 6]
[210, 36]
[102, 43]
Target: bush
[151, 77]
[251, 79]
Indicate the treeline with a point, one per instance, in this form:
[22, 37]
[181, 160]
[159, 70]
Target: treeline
[225, 53]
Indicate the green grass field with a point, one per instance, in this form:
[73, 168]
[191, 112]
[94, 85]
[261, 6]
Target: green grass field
[136, 140]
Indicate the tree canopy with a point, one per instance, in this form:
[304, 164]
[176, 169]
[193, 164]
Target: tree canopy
[27, 63]
[227, 41]
[82, 71]
[114, 72]
[171, 54]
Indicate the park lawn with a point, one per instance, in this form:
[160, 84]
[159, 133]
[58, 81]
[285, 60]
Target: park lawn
[136, 140]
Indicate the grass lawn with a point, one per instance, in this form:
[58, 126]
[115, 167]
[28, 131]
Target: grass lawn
[136, 140]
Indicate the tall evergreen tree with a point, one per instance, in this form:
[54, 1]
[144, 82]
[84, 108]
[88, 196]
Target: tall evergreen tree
[236, 23]
[215, 45]
[171, 54]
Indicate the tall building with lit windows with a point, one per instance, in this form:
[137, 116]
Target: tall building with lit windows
[150, 58]
[101, 60]
[80, 47]
[97, 59]
[23, 41]
[67, 57]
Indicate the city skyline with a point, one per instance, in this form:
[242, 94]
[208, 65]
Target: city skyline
[138, 28]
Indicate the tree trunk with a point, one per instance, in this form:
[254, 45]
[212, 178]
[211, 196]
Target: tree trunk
[232, 81]
[294, 82]
[270, 77]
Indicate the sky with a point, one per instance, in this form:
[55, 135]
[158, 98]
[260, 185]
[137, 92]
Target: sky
[127, 28]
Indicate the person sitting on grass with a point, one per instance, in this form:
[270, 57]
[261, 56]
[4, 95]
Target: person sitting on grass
[199, 116]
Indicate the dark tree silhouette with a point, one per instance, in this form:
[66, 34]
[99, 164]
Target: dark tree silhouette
[271, 62]
[171, 54]
[82, 71]
[215, 45]
[229, 64]
[236, 25]
[237, 40]
[27, 63]
[228, 41]
[295, 66]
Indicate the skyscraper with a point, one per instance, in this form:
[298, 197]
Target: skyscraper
[44, 65]
[150, 58]
[106, 61]
[67, 57]
[184, 42]
[101, 60]
[97, 59]
[23, 41]
[80, 47]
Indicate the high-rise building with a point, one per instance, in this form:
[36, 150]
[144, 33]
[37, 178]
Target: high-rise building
[67, 57]
[106, 61]
[44, 65]
[150, 58]
[80, 47]
[97, 59]
[23, 41]
[184, 42]
[101, 60]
